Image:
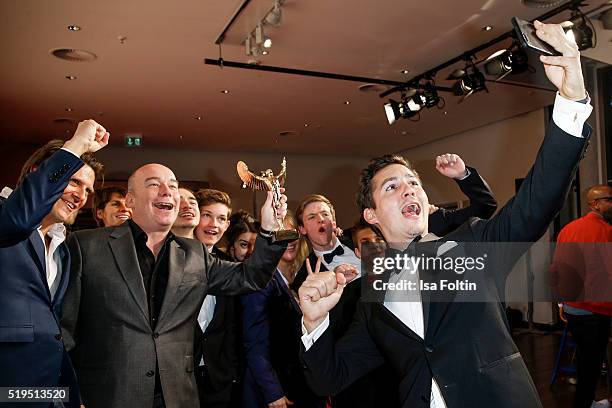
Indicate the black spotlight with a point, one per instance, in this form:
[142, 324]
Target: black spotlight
[469, 83]
[430, 96]
[504, 62]
[406, 108]
[582, 31]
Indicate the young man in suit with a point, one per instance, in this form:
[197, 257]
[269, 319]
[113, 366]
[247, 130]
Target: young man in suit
[135, 292]
[188, 216]
[34, 261]
[217, 345]
[445, 353]
[109, 208]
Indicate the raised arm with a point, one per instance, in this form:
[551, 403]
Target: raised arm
[237, 278]
[541, 195]
[23, 211]
[482, 202]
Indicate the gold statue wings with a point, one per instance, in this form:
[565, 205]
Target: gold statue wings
[265, 181]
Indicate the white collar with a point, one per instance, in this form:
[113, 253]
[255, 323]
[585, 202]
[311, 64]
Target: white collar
[330, 250]
[56, 231]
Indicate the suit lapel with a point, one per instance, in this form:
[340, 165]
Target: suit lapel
[435, 307]
[124, 252]
[283, 287]
[176, 268]
[38, 247]
[389, 318]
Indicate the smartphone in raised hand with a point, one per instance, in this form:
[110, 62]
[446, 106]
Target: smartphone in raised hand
[526, 33]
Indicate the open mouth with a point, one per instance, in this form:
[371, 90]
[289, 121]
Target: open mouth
[322, 229]
[71, 206]
[411, 210]
[164, 206]
[123, 217]
[187, 214]
[214, 233]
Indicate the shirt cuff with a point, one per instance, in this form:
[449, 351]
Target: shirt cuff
[70, 151]
[308, 339]
[570, 116]
[467, 174]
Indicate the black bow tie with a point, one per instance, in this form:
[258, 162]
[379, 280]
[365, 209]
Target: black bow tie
[329, 257]
[411, 250]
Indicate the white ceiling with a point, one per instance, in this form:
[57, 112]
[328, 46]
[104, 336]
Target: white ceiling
[155, 83]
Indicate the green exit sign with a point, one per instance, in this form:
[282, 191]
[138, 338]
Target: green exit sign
[133, 140]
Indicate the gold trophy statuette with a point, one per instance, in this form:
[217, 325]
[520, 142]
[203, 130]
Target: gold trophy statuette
[267, 181]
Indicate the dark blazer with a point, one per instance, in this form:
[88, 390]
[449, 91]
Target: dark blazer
[467, 346]
[31, 349]
[106, 319]
[221, 347]
[272, 331]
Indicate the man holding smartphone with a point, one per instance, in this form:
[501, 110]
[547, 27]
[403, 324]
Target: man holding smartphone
[448, 353]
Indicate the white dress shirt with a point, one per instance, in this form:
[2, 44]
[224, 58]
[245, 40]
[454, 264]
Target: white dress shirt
[57, 233]
[570, 117]
[207, 312]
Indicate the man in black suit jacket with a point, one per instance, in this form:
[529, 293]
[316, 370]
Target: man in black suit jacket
[449, 354]
[34, 261]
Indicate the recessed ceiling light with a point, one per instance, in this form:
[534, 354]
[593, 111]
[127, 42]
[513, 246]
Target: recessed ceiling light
[305, 124]
[487, 28]
[405, 71]
[347, 102]
[69, 109]
[74, 55]
[74, 28]
[198, 117]
[70, 77]
[264, 52]
[224, 91]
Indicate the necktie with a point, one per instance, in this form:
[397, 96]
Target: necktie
[329, 257]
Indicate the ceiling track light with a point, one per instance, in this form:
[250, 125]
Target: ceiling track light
[411, 103]
[274, 16]
[506, 61]
[406, 108]
[470, 82]
[581, 30]
[257, 43]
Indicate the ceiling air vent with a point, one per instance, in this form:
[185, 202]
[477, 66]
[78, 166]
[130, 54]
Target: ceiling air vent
[543, 3]
[63, 121]
[374, 88]
[70, 54]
